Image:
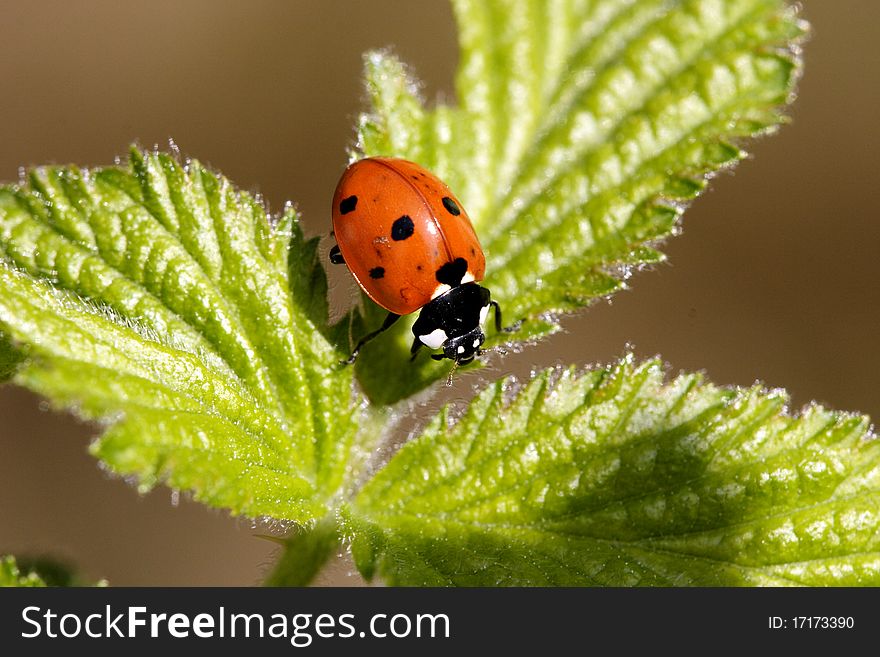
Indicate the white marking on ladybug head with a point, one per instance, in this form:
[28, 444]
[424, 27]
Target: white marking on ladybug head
[468, 277]
[484, 313]
[460, 349]
[440, 289]
[476, 343]
[434, 339]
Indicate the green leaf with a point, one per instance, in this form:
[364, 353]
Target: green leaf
[10, 358]
[305, 553]
[582, 130]
[40, 571]
[613, 477]
[11, 575]
[159, 299]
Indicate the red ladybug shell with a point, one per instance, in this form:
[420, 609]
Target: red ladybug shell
[403, 234]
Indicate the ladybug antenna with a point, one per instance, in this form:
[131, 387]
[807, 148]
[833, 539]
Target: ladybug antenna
[451, 372]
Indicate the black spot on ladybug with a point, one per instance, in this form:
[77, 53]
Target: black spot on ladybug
[414, 177]
[451, 206]
[452, 272]
[377, 272]
[347, 205]
[473, 251]
[419, 268]
[402, 228]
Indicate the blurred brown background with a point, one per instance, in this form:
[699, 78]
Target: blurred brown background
[774, 278]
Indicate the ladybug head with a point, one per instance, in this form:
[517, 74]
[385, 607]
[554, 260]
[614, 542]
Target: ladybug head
[454, 322]
[462, 348]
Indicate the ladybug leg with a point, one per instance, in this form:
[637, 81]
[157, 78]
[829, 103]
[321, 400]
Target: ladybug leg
[336, 257]
[498, 327]
[389, 320]
[414, 350]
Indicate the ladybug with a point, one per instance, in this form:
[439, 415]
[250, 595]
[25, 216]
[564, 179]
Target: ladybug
[410, 245]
